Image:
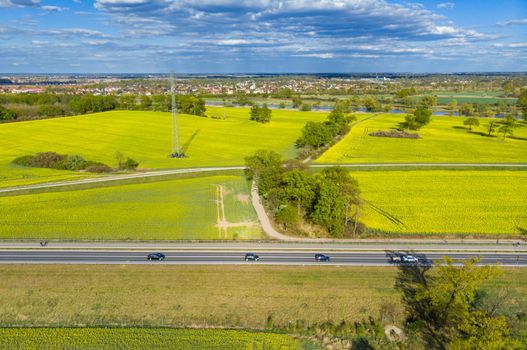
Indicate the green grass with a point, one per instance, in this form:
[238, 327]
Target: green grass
[173, 209]
[467, 202]
[146, 137]
[137, 338]
[199, 296]
[445, 139]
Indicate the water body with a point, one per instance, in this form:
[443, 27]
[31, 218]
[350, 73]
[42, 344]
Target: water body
[330, 108]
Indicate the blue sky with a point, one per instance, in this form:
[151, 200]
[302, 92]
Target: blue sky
[228, 36]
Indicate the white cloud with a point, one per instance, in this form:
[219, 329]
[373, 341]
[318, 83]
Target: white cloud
[511, 22]
[317, 55]
[19, 3]
[53, 8]
[446, 5]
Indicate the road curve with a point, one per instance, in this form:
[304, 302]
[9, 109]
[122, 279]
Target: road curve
[43, 256]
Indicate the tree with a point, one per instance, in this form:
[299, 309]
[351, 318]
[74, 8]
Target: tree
[452, 106]
[330, 208]
[522, 103]
[191, 105]
[299, 187]
[287, 216]
[343, 105]
[260, 114]
[6, 114]
[507, 127]
[266, 168]
[305, 107]
[296, 100]
[441, 308]
[410, 122]
[314, 135]
[371, 104]
[418, 119]
[471, 122]
[127, 102]
[338, 123]
[422, 116]
[161, 103]
[491, 127]
[146, 102]
[428, 101]
[466, 109]
[349, 190]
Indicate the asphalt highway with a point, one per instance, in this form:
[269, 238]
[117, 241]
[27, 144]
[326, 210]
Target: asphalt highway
[43, 256]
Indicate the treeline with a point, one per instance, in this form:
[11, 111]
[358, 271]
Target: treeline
[317, 136]
[75, 162]
[45, 105]
[328, 201]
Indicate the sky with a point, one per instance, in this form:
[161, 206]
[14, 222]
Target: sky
[262, 36]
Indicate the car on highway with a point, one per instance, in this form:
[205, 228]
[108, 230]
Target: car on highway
[251, 257]
[404, 258]
[321, 257]
[156, 256]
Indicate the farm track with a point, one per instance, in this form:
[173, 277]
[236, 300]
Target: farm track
[158, 173]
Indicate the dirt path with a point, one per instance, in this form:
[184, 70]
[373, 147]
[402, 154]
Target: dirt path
[266, 222]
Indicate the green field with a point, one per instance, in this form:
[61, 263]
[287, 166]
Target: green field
[474, 203]
[488, 97]
[397, 202]
[445, 139]
[210, 207]
[140, 339]
[146, 137]
[199, 296]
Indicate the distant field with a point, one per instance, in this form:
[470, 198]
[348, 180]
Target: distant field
[220, 296]
[445, 139]
[137, 338]
[176, 209]
[444, 201]
[146, 137]
[488, 97]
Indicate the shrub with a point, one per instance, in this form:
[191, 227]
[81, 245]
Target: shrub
[6, 114]
[47, 160]
[74, 162]
[261, 114]
[99, 168]
[130, 164]
[394, 133]
[24, 160]
[306, 107]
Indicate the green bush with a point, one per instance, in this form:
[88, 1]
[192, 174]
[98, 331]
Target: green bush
[74, 162]
[6, 114]
[24, 160]
[130, 164]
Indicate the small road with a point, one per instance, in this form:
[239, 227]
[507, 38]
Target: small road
[237, 257]
[146, 174]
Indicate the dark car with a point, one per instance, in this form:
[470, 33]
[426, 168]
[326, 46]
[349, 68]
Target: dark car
[156, 256]
[321, 257]
[251, 257]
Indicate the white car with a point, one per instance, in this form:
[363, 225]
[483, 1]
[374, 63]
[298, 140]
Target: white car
[404, 259]
[409, 259]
